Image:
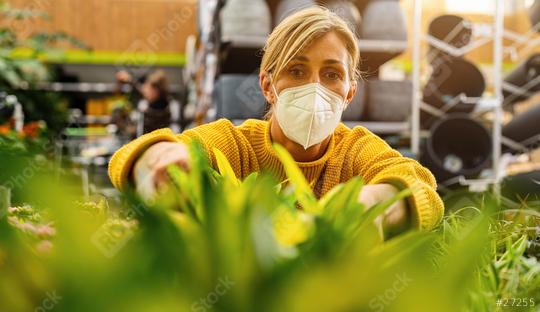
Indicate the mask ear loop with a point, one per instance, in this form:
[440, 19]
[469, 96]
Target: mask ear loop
[273, 87]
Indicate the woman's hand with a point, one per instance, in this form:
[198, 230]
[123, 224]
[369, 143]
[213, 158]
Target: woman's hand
[395, 218]
[150, 171]
[123, 76]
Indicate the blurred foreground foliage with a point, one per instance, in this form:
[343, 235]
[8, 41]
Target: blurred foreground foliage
[214, 243]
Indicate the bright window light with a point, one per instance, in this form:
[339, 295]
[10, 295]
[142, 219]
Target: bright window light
[471, 6]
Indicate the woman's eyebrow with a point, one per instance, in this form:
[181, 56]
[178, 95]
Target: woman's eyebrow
[333, 61]
[302, 58]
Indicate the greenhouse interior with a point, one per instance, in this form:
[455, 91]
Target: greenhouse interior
[269, 155]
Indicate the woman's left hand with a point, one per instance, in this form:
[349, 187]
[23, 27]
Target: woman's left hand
[395, 218]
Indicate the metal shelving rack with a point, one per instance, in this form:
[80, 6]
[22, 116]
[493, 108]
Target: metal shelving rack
[491, 103]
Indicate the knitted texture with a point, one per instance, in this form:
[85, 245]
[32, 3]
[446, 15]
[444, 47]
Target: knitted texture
[351, 152]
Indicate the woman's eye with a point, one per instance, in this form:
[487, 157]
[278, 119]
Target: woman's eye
[296, 72]
[333, 76]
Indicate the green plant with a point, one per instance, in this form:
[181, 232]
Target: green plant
[22, 66]
[215, 243]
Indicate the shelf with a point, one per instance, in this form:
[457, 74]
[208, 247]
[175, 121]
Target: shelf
[386, 46]
[249, 42]
[456, 52]
[83, 87]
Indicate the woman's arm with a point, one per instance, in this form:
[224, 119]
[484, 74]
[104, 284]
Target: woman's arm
[379, 164]
[142, 163]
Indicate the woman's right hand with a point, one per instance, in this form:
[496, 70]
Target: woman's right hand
[150, 170]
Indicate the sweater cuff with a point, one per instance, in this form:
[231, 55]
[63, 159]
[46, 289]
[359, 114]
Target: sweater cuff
[422, 210]
[122, 161]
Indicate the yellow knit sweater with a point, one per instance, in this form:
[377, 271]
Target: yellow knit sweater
[351, 152]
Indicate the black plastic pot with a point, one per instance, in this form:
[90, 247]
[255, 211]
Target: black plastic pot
[451, 29]
[523, 185]
[389, 100]
[348, 12]
[382, 20]
[458, 146]
[524, 126]
[449, 79]
[239, 97]
[522, 75]
[534, 13]
[288, 7]
[355, 110]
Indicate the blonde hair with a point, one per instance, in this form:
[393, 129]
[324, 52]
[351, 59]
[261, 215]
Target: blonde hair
[298, 31]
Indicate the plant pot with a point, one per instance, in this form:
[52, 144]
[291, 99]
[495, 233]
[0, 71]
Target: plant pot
[523, 185]
[355, 110]
[239, 97]
[534, 13]
[524, 127]
[521, 77]
[289, 7]
[348, 12]
[389, 100]
[246, 18]
[449, 80]
[457, 146]
[451, 29]
[384, 20]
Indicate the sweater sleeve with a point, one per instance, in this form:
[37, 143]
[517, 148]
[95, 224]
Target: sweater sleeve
[378, 163]
[124, 159]
[220, 134]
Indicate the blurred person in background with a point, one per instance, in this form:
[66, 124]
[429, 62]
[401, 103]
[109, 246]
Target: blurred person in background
[157, 109]
[308, 75]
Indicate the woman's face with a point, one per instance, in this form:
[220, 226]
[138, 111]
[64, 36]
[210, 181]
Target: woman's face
[326, 61]
[149, 92]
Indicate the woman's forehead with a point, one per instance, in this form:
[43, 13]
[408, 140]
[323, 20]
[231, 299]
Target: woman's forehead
[324, 60]
[328, 49]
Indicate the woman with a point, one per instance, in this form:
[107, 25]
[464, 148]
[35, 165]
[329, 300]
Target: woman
[308, 75]
[157, 108]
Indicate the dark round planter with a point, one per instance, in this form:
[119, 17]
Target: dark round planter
[450, 79]
[524, 126]
[384, 20]
[289, 7]
[355, 109]
[458, 146]
[389, 100]
[348, 12]
[522, 75]
[534, 13]
[523, 185]
[239, 97]
[451, 29]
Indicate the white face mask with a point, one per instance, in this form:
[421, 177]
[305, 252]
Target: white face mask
[308, 114]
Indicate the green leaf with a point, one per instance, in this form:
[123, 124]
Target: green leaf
[302, 190]
[225, 168]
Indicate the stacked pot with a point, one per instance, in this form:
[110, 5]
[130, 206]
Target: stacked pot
[458, 145]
